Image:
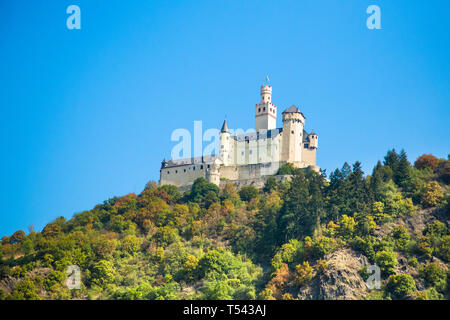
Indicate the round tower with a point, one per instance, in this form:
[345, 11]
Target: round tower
[313, 140]
[293, 124]
[265, 111]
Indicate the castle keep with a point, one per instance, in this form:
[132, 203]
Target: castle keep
[249, 158]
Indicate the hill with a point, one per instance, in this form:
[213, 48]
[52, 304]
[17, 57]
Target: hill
[309, 238]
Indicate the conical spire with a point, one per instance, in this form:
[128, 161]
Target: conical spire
[224, 126]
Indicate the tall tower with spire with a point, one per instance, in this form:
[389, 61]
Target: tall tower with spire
[225, 144]
[265, 111]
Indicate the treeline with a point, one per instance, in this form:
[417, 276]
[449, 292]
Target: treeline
[241, 244]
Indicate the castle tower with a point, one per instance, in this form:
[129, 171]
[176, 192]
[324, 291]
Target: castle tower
[293, 124]
[313, 140]
[225, 144]
[265, 111]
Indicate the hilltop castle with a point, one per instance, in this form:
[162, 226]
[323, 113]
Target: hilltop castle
[249, 158]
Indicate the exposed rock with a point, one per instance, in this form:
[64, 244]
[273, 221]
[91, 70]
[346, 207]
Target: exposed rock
[341, 279]
[414, 223]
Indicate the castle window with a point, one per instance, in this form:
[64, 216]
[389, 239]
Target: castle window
[264, 109]
[208, 166]
[168, 172]
[306, 146]
[193, 168]
[201, 167]
[292, 131]
[259, 110]
[176, 171]
[184, 170]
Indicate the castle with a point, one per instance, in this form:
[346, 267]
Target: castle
[249, 158]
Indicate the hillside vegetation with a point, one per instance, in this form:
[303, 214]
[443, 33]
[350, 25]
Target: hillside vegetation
[309, 238]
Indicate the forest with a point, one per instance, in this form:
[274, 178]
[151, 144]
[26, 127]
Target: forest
[271, 243]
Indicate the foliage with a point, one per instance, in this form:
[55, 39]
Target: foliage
[303, 273]
[400, 285]
[434, 275]
[433, 194]
[212, 243]
[387, 261]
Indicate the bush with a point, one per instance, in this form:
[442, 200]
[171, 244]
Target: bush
[387, 261]
[434, 276]
[303, 273]
[433, 194]
[400, 285]
[423, 246]
[429, 294]
[401, 237]
[443, 250]
[25, 290]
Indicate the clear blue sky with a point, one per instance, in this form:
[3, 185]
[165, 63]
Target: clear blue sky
[87, 114]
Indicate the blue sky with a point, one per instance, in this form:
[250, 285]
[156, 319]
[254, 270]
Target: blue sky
[87, 114]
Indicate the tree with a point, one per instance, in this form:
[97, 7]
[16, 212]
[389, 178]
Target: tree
[302, 208]
[391, 160]
[102, 273]
[433, 194]
[426, 161]
[18, 236]
[200, 189]
[346, 226]
[214, 261]
[270, 185]
[247, 193]
[402, 175]
[376, 182]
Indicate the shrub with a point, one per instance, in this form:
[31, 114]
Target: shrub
[423, 246]
[433, 194]
[401, 237]
[434, 276]
[346, 226]
[25, 290]
[303, 273]
[387, 261]
[429, 294]
[400, 285]
[321, 266]
[443, 249]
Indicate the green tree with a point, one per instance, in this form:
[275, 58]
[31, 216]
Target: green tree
[103, 272]
[302, 208]
[200, 189]
[247, 193]
[270, 185]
